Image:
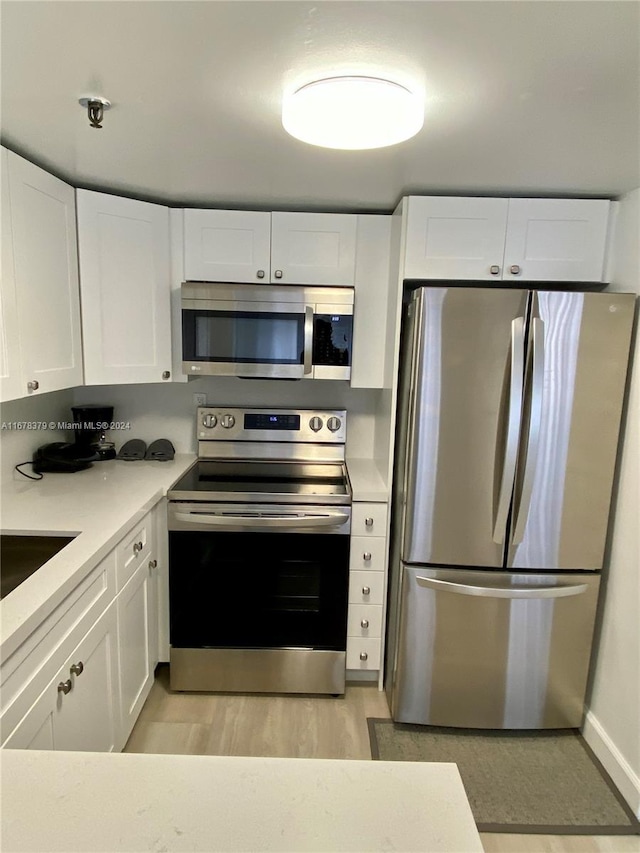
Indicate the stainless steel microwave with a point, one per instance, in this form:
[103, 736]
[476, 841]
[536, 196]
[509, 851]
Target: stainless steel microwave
[267, 331]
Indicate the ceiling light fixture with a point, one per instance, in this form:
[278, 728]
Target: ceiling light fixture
[352, 113]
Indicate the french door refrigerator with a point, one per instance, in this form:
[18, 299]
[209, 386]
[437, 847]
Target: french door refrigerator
[507, 434]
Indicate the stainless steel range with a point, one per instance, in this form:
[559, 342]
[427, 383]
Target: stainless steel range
[259, 554]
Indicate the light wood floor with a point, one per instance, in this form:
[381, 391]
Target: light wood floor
[303, 727]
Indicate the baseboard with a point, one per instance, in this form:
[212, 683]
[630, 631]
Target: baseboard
[624, 777]
[362, 675]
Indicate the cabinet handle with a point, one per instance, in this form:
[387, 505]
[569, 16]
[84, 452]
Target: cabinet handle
[364, 623]
[366, 590]
[367, 556]
[494, 269]
[65, 686]
[33, 386]
[153, 564]
[278, 273]
[364, 656]
[166, 374]
[137, 547]
[77, 668]
[260, 273]
[368, 522]
[514, 269]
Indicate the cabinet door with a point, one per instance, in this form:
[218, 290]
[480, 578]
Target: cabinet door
[125, 282]
[556, 239]
[227, 245]
[455, 238]
[313, 248]
[43, 221]
[11, 383]
[87, 717]
[136, 643]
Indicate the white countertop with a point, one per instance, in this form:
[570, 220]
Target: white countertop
[74, 801]
[99, 504]
[367, 481]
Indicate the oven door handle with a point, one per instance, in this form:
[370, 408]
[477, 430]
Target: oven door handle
[283, 521]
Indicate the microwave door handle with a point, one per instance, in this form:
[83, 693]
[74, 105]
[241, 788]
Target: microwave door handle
[308, 340]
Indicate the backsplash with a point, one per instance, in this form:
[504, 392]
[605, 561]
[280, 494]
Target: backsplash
[168, 411]
[18, 440]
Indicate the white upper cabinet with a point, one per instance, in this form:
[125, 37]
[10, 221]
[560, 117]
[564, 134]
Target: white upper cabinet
[125, 273]
[227, 245]
[313, 248]
[254, 246]
[41, 342]
[525, 239]
[454, 238]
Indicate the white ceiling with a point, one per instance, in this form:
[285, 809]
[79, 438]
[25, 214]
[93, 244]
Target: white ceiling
[522, 97]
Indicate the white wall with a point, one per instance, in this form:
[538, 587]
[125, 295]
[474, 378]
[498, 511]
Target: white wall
[168, 410]
[18, 445]
[613, 722]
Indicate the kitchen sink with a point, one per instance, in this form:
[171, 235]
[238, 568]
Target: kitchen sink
[21, 556]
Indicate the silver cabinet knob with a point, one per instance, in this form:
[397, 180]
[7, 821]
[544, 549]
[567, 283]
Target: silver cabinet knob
[260, 274]
[209, 421]
[33, 386]
[364, 656]
[334, 424]
[278, 273]
[368, 522]
[153, 564]
[367, 556]
[514, 269]
[364, 623]
[77, 668]
[65, 686]
[315, 423]
[166, 374]
[366, 590]
[494, 269]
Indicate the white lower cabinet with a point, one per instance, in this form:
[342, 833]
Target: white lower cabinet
[90, 699]
[367, 579]
[80, 707]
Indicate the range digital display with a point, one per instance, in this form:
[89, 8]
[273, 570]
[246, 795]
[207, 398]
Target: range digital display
[275, 421]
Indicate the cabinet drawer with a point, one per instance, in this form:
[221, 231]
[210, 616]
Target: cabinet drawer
[368, 553]
[366, 587]
[365, 620]
[363, 653]
[369, 519]
[133, 550]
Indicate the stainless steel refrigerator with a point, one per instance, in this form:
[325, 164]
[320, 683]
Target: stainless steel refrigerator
[508, 423]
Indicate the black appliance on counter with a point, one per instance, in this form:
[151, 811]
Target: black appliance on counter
[259, 554]
[90, 427]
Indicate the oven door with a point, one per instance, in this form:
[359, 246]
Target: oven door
[256, 579]
[248, 339]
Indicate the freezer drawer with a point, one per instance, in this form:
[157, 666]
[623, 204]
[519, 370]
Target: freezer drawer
[495, 650]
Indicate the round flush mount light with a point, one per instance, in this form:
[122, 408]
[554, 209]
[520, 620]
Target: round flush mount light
[352, 113]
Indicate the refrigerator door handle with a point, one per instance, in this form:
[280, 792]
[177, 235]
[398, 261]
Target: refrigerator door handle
[535, 422]
[503, 591]
[514, 418]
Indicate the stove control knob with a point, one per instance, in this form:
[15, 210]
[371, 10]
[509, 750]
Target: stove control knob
[315, 423]
[334, 424]
[227, 421]
[209, 421]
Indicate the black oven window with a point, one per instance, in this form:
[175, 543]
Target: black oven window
[332, 337]
[242, 337]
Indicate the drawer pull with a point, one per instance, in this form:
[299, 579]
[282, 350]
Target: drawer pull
[366, 590]
[65, 686]
[369, 521]
[77, 668]
[367, 556]
[137, 547]
[364, 656]
[364, 623]
[153, 564]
